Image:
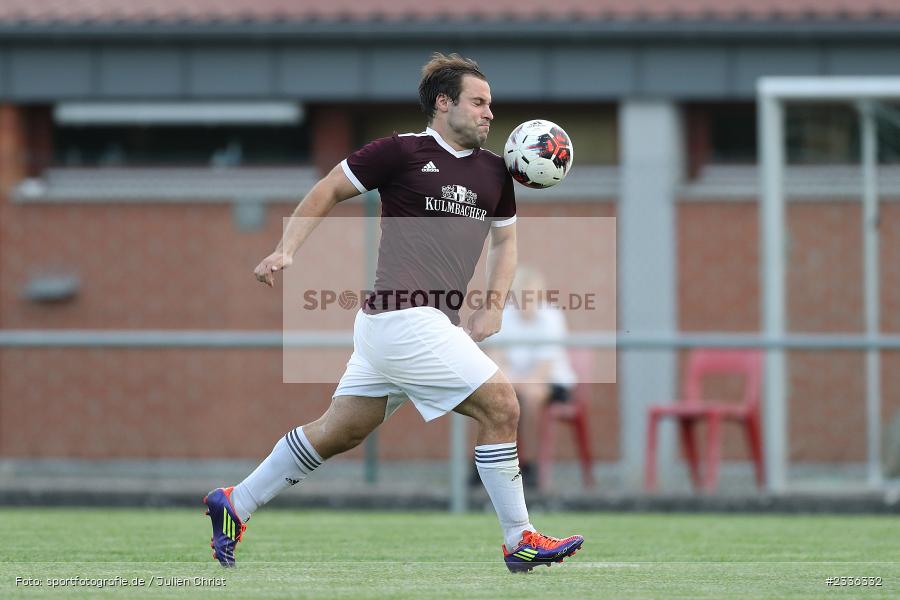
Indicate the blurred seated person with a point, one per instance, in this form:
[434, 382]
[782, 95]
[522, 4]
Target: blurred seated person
[540, 374]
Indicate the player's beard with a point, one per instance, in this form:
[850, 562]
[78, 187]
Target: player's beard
[480, 137]
[470, 136]
[476, 137]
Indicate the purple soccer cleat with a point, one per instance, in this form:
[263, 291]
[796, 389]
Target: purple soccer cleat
[536, 549]
[227, 528]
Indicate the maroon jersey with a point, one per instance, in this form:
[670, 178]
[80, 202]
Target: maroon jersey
[437, 206]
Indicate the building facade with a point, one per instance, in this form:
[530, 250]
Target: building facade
[118, 189]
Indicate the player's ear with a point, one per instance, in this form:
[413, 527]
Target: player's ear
[442, 102]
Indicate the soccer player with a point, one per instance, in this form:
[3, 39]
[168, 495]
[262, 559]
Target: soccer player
[442, 194]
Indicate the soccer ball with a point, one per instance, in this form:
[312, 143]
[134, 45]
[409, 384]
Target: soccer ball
[538, 154]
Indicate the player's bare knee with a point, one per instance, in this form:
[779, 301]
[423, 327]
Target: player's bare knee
[505, 411]
[509, 399]
[511, 422]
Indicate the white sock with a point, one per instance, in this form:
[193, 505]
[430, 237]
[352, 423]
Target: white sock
[292, 460]
[498, 466]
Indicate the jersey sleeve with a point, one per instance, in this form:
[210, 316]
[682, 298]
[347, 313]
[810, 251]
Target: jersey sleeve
[506, 208]
[374, 164]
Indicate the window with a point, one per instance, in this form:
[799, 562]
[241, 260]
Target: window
[829, 133]
[815, 134]
[821, 134]
[197, 145]
[177, 134]
[720, 133]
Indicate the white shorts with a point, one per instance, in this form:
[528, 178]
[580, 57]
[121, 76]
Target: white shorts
[416, 354]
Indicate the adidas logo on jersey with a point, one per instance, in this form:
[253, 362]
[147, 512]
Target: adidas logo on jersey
[430, 168]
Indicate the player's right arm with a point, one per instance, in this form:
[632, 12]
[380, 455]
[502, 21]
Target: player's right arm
[324, 196]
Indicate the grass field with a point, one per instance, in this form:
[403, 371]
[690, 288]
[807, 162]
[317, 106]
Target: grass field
[301, 554]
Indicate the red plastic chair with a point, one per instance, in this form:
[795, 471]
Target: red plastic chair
[692, 409]
[576, 413]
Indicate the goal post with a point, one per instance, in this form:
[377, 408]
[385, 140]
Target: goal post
[772, 94]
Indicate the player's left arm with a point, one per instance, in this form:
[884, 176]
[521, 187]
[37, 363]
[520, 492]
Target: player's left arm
[501, 268]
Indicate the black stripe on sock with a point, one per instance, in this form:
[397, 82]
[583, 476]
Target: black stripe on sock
[295, 452]
[508, 456]
[297, 456]
[496, 451]
[304, 453]
[305, 450]
[496, 454]
[496, 458]
[479, 461]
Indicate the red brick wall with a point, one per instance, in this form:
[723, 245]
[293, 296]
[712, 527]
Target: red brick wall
[160, 266]
[177, 403]
[719, 290]
[186, 266]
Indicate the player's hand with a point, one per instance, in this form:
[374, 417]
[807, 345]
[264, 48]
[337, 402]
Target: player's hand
[265, 270]
[484, 323]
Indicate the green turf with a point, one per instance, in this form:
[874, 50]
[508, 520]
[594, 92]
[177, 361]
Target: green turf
[302, 554]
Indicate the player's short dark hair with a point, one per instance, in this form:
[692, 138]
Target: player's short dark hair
[443, 75]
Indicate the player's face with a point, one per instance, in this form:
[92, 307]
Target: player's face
[470, 118]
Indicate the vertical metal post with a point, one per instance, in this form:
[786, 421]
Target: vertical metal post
[772, 253]
[650, 139]
[371, 226]
[870, 223]
[459, 461]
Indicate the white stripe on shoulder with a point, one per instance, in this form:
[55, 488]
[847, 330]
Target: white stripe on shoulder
[422, 134]
[353, 179]
[490, 152]
[505, 222]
